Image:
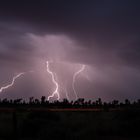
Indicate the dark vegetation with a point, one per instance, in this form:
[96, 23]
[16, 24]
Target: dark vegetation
[75, 120]
[80, 103]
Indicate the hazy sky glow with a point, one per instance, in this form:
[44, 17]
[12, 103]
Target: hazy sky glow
[101, 34]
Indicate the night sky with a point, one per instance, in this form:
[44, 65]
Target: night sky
[103, 35]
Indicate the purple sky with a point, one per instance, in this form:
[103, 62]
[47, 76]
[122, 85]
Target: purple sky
[103, 35]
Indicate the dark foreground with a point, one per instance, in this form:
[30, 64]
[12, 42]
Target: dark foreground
[69, 124]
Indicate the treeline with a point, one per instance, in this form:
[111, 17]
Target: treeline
[80, 103]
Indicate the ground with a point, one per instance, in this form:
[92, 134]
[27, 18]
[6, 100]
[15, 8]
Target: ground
[70, 125]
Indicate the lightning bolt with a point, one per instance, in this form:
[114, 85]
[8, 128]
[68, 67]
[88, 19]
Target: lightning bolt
[67, 94]
[56, 92]
[12, 83]
[74, 78]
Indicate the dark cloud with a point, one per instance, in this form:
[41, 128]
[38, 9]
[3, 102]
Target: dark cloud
[104, 33]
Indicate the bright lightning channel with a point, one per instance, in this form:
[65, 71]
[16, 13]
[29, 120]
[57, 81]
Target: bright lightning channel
[74, 78]
[12, 83]
[56, 91]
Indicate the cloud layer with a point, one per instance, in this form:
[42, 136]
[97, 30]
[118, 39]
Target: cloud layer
[104, 35]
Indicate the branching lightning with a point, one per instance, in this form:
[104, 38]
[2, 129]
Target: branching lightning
[54, 80]
[12, 83]
[56, 91]
[74, 78]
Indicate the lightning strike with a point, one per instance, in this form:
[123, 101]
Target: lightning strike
[67, 94]
[12, 83]
[74, 78]
[56, 92]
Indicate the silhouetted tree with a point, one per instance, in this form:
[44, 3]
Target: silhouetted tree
[115, 103]
[43, 98]
[127, 102]
[31, 100]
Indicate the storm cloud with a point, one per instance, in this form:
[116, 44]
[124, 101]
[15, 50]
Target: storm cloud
[101, 34]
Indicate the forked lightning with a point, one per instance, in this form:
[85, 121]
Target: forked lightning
[56, 91]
